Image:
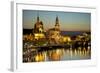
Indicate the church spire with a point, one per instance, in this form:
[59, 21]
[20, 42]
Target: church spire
[37, 16]
[57, 20]
[57, 26]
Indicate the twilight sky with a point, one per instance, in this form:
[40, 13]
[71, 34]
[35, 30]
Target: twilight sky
[69, 21]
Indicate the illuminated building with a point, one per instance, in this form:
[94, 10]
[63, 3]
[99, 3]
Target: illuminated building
[54, 33]
[28, 37]
[38, 31]
[66, 39]
[39, 36]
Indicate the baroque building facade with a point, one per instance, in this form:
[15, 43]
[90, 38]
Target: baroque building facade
[38, 30]
[54, 33]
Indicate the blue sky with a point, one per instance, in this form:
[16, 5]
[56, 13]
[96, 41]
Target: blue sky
[69, 21]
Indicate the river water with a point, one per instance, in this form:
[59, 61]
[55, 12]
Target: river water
[61, 54]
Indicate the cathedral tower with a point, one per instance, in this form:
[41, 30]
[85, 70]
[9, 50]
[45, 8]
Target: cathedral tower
[38, 27]
[57, 26]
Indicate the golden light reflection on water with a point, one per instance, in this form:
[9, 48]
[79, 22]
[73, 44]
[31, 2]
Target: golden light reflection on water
[63, 54]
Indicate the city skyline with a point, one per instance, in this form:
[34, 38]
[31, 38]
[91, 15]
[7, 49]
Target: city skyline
[69, 21]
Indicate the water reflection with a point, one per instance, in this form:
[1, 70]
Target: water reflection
[55, 55]
[59, 54]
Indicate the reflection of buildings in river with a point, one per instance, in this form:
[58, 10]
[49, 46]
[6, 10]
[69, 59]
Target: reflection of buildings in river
[60, 54]
[55, 55]
[80, 52]
[39, 57]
